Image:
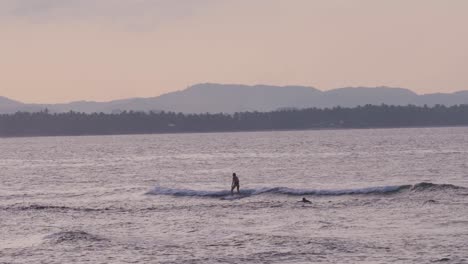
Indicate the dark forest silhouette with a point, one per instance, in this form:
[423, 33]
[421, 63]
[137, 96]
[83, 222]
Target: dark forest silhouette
[45, 123]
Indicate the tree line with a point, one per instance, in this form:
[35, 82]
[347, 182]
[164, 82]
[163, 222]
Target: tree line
[45, 123]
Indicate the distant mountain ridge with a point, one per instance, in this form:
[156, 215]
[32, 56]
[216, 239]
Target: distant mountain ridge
[230, 98]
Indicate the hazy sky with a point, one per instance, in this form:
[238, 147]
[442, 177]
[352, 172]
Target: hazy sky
[64, 50]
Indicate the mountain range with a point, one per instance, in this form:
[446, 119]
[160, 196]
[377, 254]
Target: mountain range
[230, 98]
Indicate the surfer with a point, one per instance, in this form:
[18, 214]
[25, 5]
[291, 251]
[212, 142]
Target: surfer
[235, 183]
[304, 200]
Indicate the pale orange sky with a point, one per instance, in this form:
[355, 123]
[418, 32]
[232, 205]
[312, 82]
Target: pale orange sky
[63, 50]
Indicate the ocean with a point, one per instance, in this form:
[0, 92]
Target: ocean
[377, 196]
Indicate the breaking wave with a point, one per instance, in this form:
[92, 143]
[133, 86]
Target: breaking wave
[423, 186]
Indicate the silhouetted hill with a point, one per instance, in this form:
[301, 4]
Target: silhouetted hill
[6, 101]
[10, 106]
[230, 98]
[236, 98]
[460, 97]
[354, 96]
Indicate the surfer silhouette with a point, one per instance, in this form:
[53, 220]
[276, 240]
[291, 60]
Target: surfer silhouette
[304, 200]
[235, 183]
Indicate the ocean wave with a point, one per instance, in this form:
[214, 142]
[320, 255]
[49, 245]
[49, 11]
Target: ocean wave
[428, 186]
[72, 236]
[55, 208]
[423, 186]
[277, 190]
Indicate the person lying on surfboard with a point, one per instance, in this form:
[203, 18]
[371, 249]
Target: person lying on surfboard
[235, 183]
[304, 200]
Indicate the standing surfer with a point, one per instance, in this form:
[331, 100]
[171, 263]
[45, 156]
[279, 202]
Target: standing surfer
[235, 183]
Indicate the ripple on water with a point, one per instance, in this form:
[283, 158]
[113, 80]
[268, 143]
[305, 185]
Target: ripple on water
[73, 237]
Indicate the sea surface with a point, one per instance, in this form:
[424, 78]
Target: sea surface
[378, 196]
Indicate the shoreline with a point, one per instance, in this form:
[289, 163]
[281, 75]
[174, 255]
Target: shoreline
[227, 131]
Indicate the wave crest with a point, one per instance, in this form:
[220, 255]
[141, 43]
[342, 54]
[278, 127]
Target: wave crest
[428, 186]
[380, 190]
[73, 236]
[276, 190]
[54, 208]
